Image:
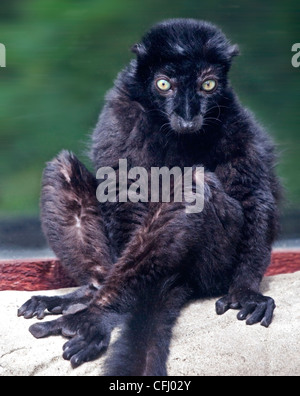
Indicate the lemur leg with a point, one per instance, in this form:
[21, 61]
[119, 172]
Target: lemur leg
[174, 242]
[142, 348]
[170, 243]
[75, 231]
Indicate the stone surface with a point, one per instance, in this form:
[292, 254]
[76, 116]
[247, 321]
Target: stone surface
[203, 343]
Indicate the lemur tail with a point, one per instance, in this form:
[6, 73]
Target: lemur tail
[143, 346]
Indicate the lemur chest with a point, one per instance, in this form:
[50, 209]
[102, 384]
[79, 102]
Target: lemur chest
[169, 153]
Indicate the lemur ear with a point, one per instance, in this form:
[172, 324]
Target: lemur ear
[139, 49]
[234, 50]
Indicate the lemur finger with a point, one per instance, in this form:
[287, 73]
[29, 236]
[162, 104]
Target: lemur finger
[257, 314]
[222, 305]
[45, 329]
[267, 319]
[246, 310]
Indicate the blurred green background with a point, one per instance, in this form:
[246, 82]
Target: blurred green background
[62, 56]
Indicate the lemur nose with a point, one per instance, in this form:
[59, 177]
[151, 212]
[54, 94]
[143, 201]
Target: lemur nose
[186, 124]
[192, 125]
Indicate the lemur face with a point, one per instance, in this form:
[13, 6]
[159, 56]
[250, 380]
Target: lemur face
[185, 94]
[182, 69]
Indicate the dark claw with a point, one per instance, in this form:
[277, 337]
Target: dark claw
[244, 312]
[257, 315]
[76, 361]
[267, 319]
[40, 313]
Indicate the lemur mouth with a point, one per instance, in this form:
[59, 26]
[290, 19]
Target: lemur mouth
[180, 125]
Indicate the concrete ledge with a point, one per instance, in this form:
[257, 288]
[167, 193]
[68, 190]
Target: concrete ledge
[203, 343]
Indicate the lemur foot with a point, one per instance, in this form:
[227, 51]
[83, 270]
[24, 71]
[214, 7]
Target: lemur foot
[254, 307]
[89, 332]
[67, 304]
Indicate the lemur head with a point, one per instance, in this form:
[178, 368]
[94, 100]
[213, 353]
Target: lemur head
[181, 71]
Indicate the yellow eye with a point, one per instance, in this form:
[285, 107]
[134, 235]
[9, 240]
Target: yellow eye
[209, 85]
[163, 85]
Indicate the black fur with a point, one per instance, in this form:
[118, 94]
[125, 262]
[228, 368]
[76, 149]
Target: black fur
[146, 260]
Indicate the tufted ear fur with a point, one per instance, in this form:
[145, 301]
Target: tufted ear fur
[234, 50]
[139, 49]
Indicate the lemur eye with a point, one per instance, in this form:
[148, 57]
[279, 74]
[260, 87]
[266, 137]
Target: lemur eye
[209, 85]
[163, 85]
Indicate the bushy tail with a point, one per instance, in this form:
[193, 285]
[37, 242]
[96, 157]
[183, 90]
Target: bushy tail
[143, 346]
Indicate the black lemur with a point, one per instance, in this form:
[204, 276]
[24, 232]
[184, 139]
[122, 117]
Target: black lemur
[142, 261]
